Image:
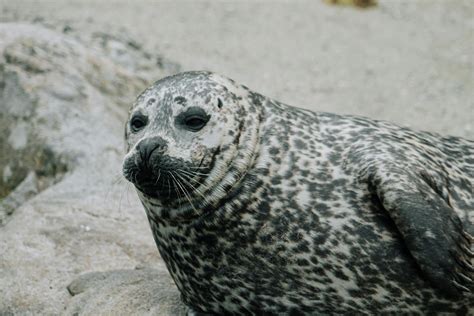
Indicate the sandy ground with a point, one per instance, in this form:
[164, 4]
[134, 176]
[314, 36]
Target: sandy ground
[410, 62]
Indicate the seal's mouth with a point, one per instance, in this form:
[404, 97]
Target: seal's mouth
[165, 178]
[153, 190]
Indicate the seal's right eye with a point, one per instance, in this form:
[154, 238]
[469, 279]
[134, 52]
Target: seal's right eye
[138, 122]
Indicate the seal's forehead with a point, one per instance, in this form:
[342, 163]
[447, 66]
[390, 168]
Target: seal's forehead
[196, 88]
[180, 87]
[187, 84]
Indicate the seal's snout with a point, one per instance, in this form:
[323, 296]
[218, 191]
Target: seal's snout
[155, 172]
[142, 167]
[151, 147]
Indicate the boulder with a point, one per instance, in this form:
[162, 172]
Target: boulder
[124, 291]
[64, 208]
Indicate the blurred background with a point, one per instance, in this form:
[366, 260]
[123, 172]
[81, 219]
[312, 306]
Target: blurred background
[407, 61]
[69, 70]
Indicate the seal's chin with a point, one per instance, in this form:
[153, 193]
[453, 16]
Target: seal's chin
[151, 191]
[163, 186]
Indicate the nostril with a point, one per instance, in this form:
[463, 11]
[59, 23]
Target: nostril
[151, 144]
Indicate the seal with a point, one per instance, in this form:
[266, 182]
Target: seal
[258, 207]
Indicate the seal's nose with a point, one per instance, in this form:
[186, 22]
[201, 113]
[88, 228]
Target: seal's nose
[151, 145]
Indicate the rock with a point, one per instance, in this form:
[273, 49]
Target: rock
[22, 193]
[145, 292]
[64, 208]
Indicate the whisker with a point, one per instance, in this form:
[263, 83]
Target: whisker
[117, 178]
[116, 181]
[200, 168]
[184, 191]
[194, 173]
[188, 179]
[127, 193]
[193, 187]
[191, 177]
[135, 176]
[159, 173]
[169, 186]
[175, 187]
[120, 199]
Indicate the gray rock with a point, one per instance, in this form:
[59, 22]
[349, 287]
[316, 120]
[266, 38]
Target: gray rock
[64, 209]
[22, 193]
[145, 292]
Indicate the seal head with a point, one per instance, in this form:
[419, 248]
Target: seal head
[184, 141]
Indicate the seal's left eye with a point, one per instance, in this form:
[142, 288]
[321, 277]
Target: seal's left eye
[193, 119]
[138, 122]
[195, 122]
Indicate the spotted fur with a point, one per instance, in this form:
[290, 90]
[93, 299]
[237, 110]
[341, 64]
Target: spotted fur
[299, 212]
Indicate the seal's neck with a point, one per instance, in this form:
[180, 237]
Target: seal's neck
[230, 172]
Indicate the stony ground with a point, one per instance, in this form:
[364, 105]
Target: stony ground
[69, 70]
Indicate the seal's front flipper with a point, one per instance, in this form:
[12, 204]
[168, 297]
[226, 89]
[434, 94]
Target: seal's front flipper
[432, 231]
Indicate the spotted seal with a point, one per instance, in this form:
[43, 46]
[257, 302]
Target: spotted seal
[258, 207]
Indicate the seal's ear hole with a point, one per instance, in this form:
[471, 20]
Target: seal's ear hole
[219, 103]
[151, 101]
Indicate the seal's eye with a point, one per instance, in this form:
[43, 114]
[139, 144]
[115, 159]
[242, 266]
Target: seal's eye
[138, 122]
[195, 122]
[193, 119]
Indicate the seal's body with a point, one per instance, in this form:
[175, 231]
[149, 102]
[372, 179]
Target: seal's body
[259, 207]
